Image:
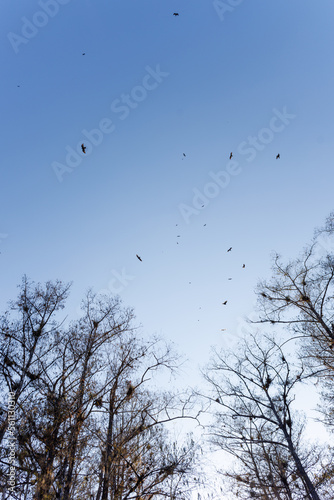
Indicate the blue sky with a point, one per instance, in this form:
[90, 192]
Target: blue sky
[225, 80]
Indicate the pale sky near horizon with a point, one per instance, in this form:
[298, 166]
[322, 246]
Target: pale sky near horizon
[253, 78]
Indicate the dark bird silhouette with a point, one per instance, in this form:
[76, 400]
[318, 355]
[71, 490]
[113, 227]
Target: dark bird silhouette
[231, 156]
[204, 224]
[278, 156]
[84, 53]
[175, 14]
[203, 206]
[138, 258]
[184, 155]
[18, 85]
[243, 266]
[224, 303]
[230, 279]
[83, 148]
[229, 249]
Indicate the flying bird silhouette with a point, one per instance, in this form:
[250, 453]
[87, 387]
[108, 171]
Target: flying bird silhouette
[243, 266]
[231, 156]
[230, 279]
[84, 53]
[278, 156]
[138, 258]
[229, 249]
[184, 155]
[224, 303]
[83, 148]
[175, 14]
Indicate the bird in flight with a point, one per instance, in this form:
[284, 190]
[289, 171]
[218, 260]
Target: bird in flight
[229, 249]
[229, 279]
[204, 224]
[84, 53]
[138, 258]
[224, 303]
[83, 148]
[184, 155]
[243, 266]
[231, 156]
[278, 156]
[223, 329]
[175, 14]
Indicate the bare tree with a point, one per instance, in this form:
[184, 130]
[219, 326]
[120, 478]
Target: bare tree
[27, 337]
[253, 390]
[300, 296]
[89, 423]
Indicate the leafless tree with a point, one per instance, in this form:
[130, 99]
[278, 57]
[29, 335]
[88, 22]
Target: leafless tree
[253, 391]
[27, 337]
[300, 296]
[89, 424]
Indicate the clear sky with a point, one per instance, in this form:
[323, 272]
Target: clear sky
[250, 77]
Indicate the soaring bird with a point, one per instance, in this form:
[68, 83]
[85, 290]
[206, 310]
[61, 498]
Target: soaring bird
[83, 148]
[229, 249]
[224, 303]
[184, 155]
[231, 156]
[278, 156]
[138, 258]
[84, 53]
[243, 266]
[175, 14]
